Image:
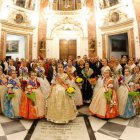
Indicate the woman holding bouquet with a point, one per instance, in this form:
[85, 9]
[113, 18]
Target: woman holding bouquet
[105, 102]
[70, 70]
[13, 97]
[44, 84]
[87, 90]
[23, 72]
[3, 88]
[126, 108]
[60, 106]
[33, 100]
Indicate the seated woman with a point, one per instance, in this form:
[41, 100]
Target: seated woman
[60, 107]
[33, 100]
[126, 108]
[44, 84]
[13, 97]
[3, 88]
[105, 102]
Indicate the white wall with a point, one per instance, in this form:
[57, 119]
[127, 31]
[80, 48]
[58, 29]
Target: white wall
[22, 46]
[126, 7]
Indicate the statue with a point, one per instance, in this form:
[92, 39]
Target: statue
[42, 45]
[92, 44]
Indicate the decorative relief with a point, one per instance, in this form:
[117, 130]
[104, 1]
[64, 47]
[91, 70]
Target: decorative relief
[114, 16]
[19, 17]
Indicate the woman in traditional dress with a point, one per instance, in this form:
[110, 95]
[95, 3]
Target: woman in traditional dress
[126, 108]
[117, 71]
[60, 107]
[23, 72]
[33, 100]
[11, 67]
[105, 106]
[136, 80]
[131, 65]
[71, 70]
[44, 84]
[3, 88]
[87, 90]
[99, 82]
[11, 105]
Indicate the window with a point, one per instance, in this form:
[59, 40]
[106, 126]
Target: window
[67, 5]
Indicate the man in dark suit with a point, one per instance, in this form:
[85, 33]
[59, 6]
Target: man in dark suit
[97, 66]
[51, 70]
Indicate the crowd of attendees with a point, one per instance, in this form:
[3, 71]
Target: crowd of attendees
[37, 89]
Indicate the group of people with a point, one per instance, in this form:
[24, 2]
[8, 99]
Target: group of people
[37, 89]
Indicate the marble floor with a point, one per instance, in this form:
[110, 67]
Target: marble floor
[84, 127]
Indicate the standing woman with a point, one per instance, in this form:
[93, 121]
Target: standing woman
[23, 72]
[136, 80]
[60, 106]
[3, 88]
[80, 67]
[71, 70]
[103, 105]
[99, 82]
[44, 84]
[11, 104]
[33, 100]
[87, 90]
[126, 108]
[11, 67]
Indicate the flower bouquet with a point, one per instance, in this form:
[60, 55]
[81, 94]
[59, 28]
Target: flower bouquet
[10, 92]
[79, 81]
[70, 91]
[30, 95]
[108, 95]
[134, 94]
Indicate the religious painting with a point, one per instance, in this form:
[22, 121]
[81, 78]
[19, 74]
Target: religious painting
[12, 46]
[118, 45]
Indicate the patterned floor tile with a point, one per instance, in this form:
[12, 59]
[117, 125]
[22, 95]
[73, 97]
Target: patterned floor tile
[26, 123]
[120, 121]
[12, 127]
[3, 138]
[131, 133]
[17, 136]
[135, 122]
[1, 131]
[96, 123]
[4, 119]
[112, 129]
[100, 136]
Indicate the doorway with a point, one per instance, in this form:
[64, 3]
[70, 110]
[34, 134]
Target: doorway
[16, 46]
[67, 48]
[118, 45]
